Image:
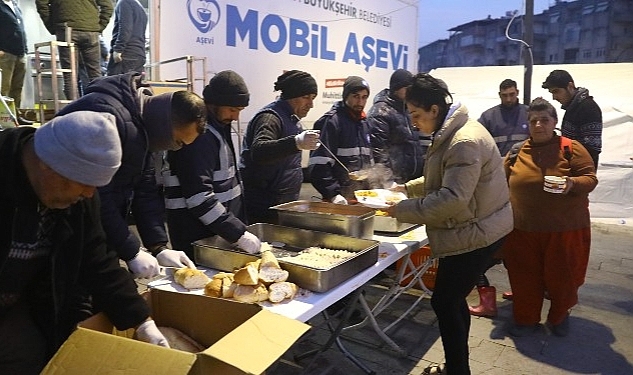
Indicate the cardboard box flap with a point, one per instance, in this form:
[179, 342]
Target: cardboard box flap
[258, 342]
[91, 352]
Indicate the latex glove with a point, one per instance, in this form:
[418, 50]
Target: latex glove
[148, 332]
[307, 140]
[174, 258]
[339, 199]
[117, 56]
[249, 243]
[143, 265]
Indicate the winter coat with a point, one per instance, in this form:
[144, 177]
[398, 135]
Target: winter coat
[203, 191]
[583, 122]
[136, 177]
[81, 15]
[463, 197]
[395, 142]
[79, 257]
[128, 34]
[12, 35]
[507, 125]
[348, 139]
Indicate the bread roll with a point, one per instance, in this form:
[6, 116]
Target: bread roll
[247, 275]
[191, 278]
[272, 275]
[179, 341]
[213, 288]
[268, 260]
[228, 287]
[251, 293]
[277, 292]
[221, 275]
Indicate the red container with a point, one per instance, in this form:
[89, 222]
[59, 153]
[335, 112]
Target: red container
[418, 258]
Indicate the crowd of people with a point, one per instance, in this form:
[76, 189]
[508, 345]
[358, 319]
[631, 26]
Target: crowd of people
[119, 151]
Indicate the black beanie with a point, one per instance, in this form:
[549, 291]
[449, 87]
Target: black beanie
[295, 83]
[353, 84]
[226, 88]
[399, 79]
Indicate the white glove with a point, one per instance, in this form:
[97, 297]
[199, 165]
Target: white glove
[117, 56]
[143, 265]
[174, 258]
[339, 199]
[148, 332]
[307, 140]
[249, 243]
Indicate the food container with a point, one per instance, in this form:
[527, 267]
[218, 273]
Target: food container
[348, 220]
[390, 224]
[217, 253]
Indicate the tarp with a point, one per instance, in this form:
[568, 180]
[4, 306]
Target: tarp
[609, 84]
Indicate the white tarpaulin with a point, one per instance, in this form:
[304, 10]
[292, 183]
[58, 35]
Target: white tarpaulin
[609, 84]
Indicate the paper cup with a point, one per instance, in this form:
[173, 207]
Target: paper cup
[554, 184]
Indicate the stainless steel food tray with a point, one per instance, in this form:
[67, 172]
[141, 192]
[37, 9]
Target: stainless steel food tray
[217, 253]
[347, 220]
[390, 224]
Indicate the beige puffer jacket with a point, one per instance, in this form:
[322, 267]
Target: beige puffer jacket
[463, 197]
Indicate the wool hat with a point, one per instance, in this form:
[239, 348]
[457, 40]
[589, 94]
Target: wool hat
[399, 79]
[83, 146]
[226, 88]
[557, 78]
[353, 84]
[295, 83]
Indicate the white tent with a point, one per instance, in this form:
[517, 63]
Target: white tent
[610, 85]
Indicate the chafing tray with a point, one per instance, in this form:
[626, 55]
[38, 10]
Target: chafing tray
[355, 221]
[217, 253]
[390, 224]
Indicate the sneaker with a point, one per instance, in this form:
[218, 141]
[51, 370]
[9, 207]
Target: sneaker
[561, 329]
[519, 330]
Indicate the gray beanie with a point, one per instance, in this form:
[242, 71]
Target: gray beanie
[354, 84]
[83, 146]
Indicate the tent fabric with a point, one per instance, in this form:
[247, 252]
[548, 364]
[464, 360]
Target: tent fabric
[609, 84]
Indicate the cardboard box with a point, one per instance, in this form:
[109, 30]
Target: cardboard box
[240, 339]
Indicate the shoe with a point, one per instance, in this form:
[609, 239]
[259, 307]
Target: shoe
[435, 370]
[519, 330]
[561, 329]
[23, 121]
[487, 302]
[507, 295]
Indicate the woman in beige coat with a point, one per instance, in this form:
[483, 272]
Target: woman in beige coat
[463, 200]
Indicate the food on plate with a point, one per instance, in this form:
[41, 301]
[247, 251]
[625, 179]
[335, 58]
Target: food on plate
[319, 257]
[272, 275]
[277, 292]
[251, 293]
[180, 341]
[191, 278]
[366, 193]
[247, 275]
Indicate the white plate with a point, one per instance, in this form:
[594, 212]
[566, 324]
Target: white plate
[381, 199]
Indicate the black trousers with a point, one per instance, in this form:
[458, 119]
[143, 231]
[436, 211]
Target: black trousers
[22, 345]
[456, 277]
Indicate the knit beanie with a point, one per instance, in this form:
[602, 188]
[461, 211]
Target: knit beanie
[399, 79]
[353, 84]
[226, 88]
[83, 146]
[295, 83]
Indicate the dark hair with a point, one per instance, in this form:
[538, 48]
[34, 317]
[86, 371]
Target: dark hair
[506, 84]
[557, 79]
[188, 107]
[539, 104]
[427, 91]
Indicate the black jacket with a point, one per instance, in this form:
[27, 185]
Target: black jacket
[12, 35]
[79, 257]
[583, 123]
[128, 34]
[136, 176]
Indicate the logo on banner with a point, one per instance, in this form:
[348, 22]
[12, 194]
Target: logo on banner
[204, 14]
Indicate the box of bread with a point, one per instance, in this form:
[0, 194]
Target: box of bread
[206, 335]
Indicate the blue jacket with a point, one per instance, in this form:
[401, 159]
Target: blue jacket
[507, 125]
[203, 191]
[348, 139]
[133, 187]
[128, 34]
[12, 35]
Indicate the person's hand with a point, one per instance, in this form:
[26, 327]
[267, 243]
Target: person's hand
[143, 265]
[398, 188]
[117, 56]
[339, 199]
[307, 140]
[391, 210]
[249, 243]
[174, 258]
[569, 183]
[148, 332]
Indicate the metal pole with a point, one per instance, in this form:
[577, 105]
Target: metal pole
[528, 23]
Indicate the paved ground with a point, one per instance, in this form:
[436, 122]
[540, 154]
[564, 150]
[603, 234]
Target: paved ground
[600, 339]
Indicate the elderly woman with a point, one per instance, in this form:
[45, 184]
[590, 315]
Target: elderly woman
[548, 249]
[463, 200]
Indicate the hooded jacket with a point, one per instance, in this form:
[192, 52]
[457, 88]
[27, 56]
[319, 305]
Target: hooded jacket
[79, 258]
[122, 96]
[463, 197]
[395, 142]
